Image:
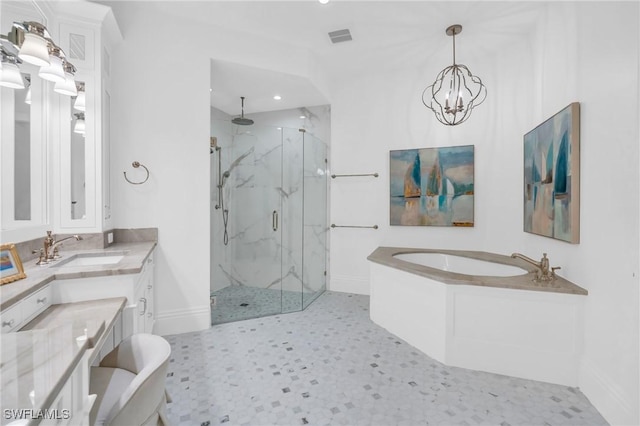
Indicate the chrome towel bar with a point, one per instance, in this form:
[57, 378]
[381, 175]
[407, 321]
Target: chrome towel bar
[333, 225]
[365, 174]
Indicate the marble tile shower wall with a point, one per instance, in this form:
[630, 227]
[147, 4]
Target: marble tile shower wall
[266, 174]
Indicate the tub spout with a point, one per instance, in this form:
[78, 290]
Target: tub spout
[543, 272]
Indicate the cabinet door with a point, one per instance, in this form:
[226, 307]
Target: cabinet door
[142, 305]
[150, 292]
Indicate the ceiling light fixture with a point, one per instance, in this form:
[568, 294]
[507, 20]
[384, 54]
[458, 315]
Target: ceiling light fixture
[456, 92]
[323, 1]
[277, 97]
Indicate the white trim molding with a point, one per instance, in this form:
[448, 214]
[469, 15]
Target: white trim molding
[607, 396]
[183, 320]
[349, 284]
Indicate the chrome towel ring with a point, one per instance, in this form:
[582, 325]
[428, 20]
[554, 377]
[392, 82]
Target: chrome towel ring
[135, 165]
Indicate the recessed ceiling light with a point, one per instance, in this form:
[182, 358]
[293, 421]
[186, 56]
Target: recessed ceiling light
[277, 97]
[303, 116]
[323, 1]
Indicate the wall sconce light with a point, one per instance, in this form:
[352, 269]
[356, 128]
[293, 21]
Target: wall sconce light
[30, 42]
[80, 103]
[34, 47]
[54, 71]
[456, 92]
[10, 73]
[68, 85]
[80, 125]
[27, 97]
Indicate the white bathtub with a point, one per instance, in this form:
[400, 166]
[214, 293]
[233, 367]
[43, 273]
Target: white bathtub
[479, 310]
[461, 265]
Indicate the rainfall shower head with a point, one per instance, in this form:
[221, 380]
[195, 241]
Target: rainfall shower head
[241, 120]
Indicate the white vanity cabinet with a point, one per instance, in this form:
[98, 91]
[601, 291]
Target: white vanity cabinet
[138, 315]
[145, 297]
[25, 310]
[73, 403]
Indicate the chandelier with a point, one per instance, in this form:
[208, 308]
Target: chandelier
[456, 92]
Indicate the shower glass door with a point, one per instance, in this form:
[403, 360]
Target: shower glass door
[269, 204]
[247, 271]
[315, 229]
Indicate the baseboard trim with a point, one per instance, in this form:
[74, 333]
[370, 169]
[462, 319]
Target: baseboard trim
[183, 321]
[349, 284]
[607, 396]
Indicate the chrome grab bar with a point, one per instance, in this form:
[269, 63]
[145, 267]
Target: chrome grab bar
[274, 220]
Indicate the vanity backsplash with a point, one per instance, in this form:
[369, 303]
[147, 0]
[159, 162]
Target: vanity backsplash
[89, 241]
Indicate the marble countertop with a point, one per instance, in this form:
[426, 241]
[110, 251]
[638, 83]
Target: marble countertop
[90, 317]
[385, 256]
[35, 365]
[134, 256]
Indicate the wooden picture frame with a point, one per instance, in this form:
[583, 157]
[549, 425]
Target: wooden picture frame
[10, 264]
[551, 192]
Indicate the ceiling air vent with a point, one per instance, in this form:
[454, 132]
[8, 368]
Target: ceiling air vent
[340, 36]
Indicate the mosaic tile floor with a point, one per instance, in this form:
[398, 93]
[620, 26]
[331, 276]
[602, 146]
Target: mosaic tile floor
[330, 365]
[235, 303]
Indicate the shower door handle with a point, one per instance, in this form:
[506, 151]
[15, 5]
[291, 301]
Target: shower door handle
[274, 220]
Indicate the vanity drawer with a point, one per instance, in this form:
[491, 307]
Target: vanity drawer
[36, 303]
[11, 318]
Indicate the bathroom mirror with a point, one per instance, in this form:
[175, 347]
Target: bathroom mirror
[23, 144]
[77, 165]
[22, 151]
[78, 158]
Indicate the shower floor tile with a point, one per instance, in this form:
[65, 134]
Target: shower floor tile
[330, 365]
[235, 303]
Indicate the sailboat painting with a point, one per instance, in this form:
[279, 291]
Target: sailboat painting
[432, 186]
[552, 177]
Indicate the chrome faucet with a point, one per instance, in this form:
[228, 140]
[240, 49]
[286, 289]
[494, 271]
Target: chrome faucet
[49, 252]
[543, 272]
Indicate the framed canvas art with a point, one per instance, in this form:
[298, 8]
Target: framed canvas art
[432, 186]
[10, 264]
[552, 177]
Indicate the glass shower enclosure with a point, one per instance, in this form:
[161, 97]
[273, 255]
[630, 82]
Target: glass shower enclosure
[268, 220]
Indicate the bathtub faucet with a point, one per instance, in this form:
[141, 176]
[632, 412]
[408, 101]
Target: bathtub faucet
[543, 272]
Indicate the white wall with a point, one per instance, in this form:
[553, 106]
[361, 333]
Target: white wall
[586, 52]
[160, 117]
[571, 56]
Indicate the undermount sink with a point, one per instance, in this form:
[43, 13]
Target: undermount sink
[91, 259]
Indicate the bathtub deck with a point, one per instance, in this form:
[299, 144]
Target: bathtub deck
[481, 323]
[385, 256]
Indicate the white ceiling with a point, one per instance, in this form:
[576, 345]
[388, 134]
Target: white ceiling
[229, 81]
[385, 34]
